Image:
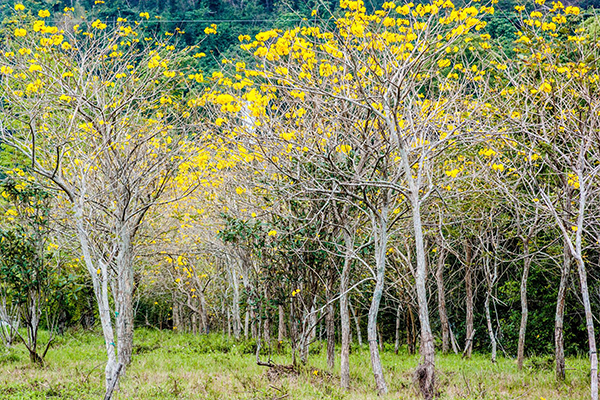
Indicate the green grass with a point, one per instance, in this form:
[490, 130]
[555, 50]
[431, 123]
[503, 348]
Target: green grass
[167, 365]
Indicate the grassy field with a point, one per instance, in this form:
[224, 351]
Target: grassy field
[181, 366]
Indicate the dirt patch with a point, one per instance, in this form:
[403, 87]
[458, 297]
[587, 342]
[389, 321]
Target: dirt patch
[276, 372]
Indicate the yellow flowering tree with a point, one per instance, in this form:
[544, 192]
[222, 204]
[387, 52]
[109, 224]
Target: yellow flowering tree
[369, 101]
[548, 113]
[101, 114]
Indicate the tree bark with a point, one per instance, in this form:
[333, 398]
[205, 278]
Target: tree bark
[176, 321]
[439, 279]
[469, 300]
[357, 324]
[589, 321]
[313, 322]
[381, 238]
[235, 309]
[330, 326]
[246, 324]
[426, 370]
[488, 318]
[281, 334]
[100, 285]
[524, 309]
[344, 313]
[397, 341]
[124, 300]
[410, 330]
[203, 312]
[559, 343]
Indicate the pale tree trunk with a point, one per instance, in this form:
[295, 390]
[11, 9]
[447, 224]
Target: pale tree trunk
[267, 320]
[491, 281]
[313, 322]
[454, 343]
[124, 300]
[330, 327]
[176, 321]
[577, 254]
[439, 279]
[524, 309]
[589, 320]
[469, 300]
[380, 226]
[297, 346]
[99, 275]
[254, 324]
[235, 309]
[561, 298]
[344, 312]
[426, 370]
[397, 333]
[203, 312]
[246, 324]
[308, 332]
[559, 342]
[410, 330]
[357, 324]
[228, 323]
[267, 330]
[249, 317]
[294, 333]
[281, 334]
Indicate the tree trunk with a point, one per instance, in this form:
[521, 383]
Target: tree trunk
[397, 341]
[357, 325]
[267, 330]
[313, 322]
[203, 312]
[469, 301]
[124, 301]
[410, 331]
[454, 343]
[381, 238]
[439, 279]
[488, 319]
[293, 332]
[254, 324]
[524, 309]
[99, 275]
[490, 276]
[228, 323]
[426, 370]
[559, 343]
[344, 313]
[176, 321]
[330, 326]
[235, 309]
[281, 334]
[589, 320]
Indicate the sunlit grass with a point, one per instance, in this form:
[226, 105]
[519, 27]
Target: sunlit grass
[182, 366]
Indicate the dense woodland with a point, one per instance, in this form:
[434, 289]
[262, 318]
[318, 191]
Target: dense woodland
[424, 177]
